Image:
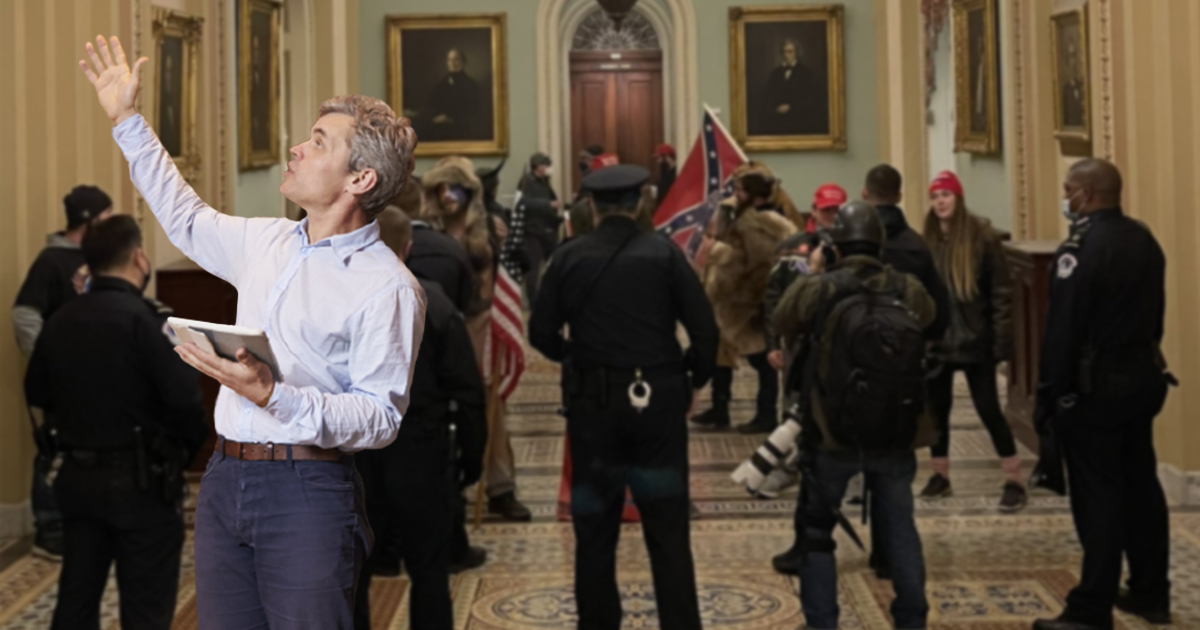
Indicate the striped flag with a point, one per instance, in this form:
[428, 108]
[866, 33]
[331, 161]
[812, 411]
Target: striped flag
[504, 352]
[703, 181]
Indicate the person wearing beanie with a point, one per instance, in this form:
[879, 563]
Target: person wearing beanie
[57, 276]
[538, 215]
[969, 258]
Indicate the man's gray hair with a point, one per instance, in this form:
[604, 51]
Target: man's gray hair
[382, 141]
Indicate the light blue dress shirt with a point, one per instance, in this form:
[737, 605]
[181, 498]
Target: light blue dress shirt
[345, 317]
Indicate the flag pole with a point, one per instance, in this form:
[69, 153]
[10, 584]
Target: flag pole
[493, 412]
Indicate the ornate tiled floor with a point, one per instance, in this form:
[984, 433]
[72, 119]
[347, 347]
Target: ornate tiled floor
[987, 571]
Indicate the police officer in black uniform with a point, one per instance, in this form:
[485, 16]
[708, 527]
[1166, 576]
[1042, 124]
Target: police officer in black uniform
[129, 419]
[1102, 381]
[627, 386]
[412, 485]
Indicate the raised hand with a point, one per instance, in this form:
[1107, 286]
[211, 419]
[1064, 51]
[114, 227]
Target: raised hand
[116, 85]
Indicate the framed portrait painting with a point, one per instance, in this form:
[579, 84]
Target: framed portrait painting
[177, 39]
[786, 77]
[1072, 102]
[258, 84]
[447, 74]
[976, 77]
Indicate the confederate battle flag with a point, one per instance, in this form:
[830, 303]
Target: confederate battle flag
[702, 183]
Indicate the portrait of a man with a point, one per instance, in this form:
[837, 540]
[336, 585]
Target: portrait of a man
[177, 38]
[446, 74]
[170, 95]
[786, 83]
[976, 77]
[795, 97]
[977, 69]
[258, 84]
[260, 81]
[1070, 61]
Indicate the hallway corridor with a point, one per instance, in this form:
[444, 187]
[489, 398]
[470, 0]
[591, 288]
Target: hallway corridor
[987, 571]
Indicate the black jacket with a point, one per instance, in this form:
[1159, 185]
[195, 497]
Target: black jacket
[446, 376]
[624, 316]
[980, 329]
[1107, 299]
[442, 259]
[906, 251]
[49, 284]
[541, 219]
[104, 365]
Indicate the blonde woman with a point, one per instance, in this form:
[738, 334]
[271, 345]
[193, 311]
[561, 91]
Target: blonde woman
[971, 263]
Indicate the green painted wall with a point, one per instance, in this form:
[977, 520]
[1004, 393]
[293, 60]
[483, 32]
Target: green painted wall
[801, 171]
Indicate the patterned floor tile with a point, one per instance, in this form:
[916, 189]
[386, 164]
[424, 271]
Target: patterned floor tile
[987, 570]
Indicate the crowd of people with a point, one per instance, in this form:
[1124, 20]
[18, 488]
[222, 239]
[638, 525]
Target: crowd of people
[378, 308]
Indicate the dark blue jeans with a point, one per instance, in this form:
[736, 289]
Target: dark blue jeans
[279, 544]
[890, 479]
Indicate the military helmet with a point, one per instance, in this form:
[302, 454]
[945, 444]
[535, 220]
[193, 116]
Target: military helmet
[857, 222]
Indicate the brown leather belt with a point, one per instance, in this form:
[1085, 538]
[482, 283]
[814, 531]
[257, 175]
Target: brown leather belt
[253, 452]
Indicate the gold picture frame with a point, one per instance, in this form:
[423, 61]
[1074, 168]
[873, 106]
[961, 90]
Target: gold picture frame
[771, 101]
[976, 77]
[461, 107]
[177, 38]
[1072, 102]
[258, 83]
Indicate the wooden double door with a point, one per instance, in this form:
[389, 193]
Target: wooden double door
[617, 103]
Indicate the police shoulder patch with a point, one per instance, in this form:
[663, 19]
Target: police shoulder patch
[1066, 265]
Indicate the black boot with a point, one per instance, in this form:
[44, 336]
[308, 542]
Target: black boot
[760, 424]
[716, 418]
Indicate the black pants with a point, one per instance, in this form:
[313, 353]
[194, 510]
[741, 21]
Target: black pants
[106, 519]
[1116, 499]
[538, 247]
[768, 386]
[981, 380]
[614, 446]
[408, 491]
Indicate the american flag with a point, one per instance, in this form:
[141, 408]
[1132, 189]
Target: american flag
[703, 180]
[504, 352]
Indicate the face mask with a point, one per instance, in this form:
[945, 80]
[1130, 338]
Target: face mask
[146, 275]
[1067, 213]
[549, 171]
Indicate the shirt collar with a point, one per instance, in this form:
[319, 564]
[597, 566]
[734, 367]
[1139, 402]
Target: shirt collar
[113, 283]
[344, 245]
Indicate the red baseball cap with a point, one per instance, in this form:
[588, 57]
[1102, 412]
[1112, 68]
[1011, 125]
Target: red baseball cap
[664, 150]
[829, 195]
[947, 180]
[604, 160]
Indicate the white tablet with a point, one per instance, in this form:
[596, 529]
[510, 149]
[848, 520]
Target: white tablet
[225, 341]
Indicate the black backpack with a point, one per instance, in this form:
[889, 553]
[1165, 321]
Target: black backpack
[873, 389]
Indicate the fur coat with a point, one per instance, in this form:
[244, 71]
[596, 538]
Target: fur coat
[736, 271]
[468, 225]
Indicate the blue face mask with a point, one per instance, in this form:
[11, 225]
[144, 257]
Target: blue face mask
[1067, 213]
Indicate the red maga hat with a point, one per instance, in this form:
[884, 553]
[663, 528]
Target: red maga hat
[664, 150]
[829, 195]
[604, 160]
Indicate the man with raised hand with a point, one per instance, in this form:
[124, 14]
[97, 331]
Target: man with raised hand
[280, 526]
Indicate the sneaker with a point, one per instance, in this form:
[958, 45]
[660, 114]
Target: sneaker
[508, 507]
[716, 417]
[937, 488]
[472, 559]
[1015, 497]
[1127, 603]
[759, 424]
[50, 552]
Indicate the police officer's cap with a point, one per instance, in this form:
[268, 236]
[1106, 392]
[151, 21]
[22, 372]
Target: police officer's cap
[857, 222]
[619, 185]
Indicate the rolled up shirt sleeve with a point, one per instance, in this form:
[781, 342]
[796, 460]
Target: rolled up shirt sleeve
[217, 242]
[383, 352]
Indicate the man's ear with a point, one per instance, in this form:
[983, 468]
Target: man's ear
[899, 198]
[363, 181]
